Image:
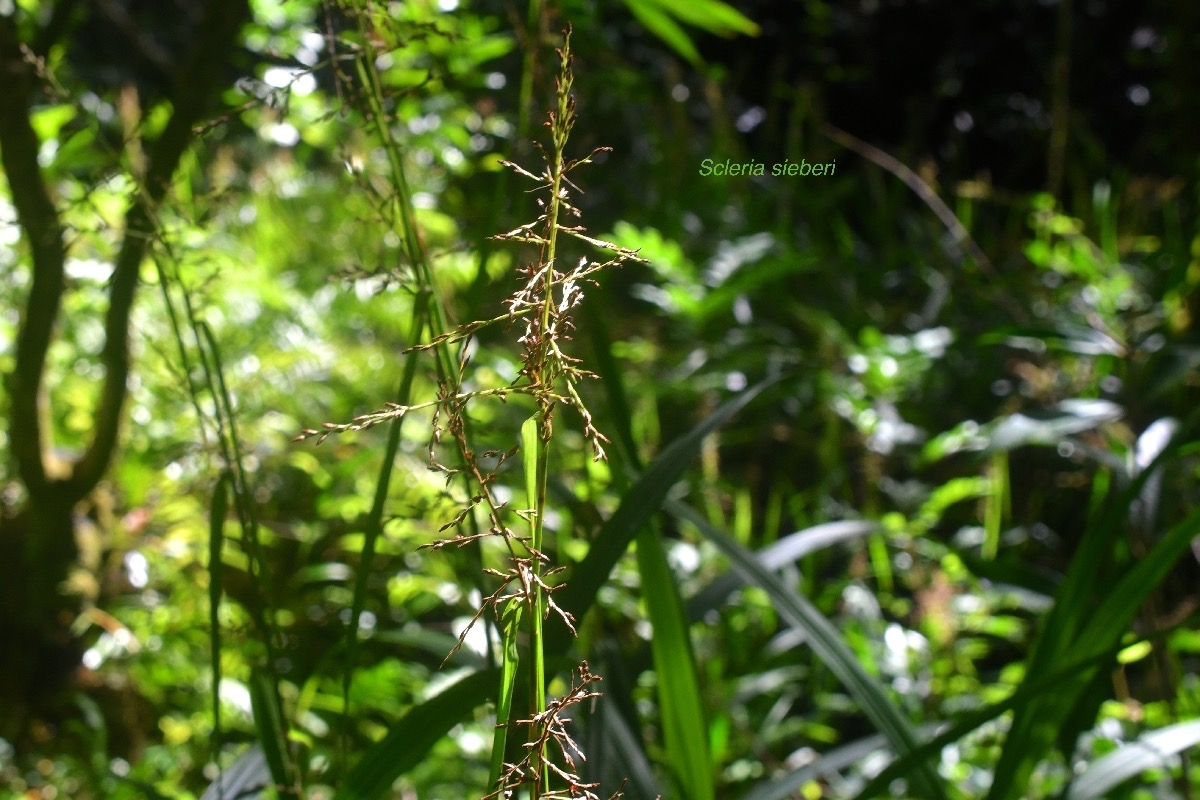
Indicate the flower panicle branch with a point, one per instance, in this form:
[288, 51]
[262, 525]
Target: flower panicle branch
[554, 737]
[392, 411]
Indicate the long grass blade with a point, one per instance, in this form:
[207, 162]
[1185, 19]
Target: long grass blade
[827, 643]
[508, 680]
[788, 550]
[216, 540]
[828, 765]
[246, 779]
[374, 524]
[268, 723]
[969, 723]
[616, 754]
[410, 739]
[1151, 751]
[637, 506]
[1076, 627]
[686, 733]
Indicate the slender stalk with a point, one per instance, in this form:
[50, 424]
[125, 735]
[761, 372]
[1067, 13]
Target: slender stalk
[545, 379]
[543, 303]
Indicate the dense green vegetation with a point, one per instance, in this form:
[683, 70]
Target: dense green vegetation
[397, 406]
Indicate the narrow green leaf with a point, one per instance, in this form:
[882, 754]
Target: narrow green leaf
[828, 765]
[638, 504]
[529, 458]
[788, 550]
[508, 679]
[614, 746]
[972, 721]
[686, 733]
[661, 25]
[1074, 625]
[827, 643]
[268, 722]
[410, 739]
[374, 526]
[244, 779]
[712, 16]
[216, 540]
[1151, 750]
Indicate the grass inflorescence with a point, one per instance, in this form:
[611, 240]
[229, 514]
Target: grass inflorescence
[549, 292]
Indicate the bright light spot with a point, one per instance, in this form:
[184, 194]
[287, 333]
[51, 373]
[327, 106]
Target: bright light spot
[284, 134]
[684, 557]
[10, 234]
[750, 119]
[860, 603]
[173, 471]
[933, 341]
[447, 5]
[279, 77]
[495, 80]
[47, 152]
[858, 363]
[236, 695]
[1144, 38]
[680, 93]
[92, 658]
[735, 381]
[472, 743]
[305, 84]
[1138, 95]
[1154, 440]
[313, 40]
[449, 593]
[88, 269]
[741, 310]
[424, 123]
[137, 569]
[474, 639]
[889, 367]
[963, 121]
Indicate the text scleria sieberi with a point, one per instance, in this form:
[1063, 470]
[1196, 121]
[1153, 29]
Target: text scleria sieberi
[787, 167]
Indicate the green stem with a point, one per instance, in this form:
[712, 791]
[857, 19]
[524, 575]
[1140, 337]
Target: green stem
[560, 129]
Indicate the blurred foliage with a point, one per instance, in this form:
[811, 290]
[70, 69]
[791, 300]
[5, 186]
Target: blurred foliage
[1006, 441]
